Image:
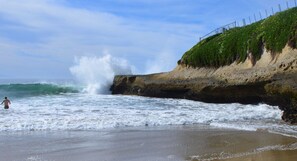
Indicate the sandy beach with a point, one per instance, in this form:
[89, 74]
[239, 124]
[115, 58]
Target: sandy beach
[174, 143]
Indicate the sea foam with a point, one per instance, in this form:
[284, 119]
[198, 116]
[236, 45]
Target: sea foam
[82, 111]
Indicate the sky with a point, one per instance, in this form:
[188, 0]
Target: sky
[44, 38]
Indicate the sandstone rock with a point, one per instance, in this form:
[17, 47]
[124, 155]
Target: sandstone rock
[271, 80]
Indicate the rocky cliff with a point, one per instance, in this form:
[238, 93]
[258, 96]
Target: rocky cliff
[252, 64]
[272, 80]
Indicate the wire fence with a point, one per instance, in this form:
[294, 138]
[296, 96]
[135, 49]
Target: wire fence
[252, 19]
[219, 30]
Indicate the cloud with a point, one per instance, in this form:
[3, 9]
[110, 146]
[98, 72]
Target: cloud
[41, 38]
[53, 30]
[164, 62]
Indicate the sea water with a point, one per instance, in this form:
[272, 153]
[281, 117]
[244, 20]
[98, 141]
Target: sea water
[85, 103]
[60, 105]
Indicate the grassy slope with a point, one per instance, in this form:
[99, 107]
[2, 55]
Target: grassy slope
[235, 44]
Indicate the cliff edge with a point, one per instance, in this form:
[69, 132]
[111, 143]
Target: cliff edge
[263, 74]
[270, 80]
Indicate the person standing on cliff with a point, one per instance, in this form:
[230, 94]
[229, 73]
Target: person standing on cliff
[6, 103]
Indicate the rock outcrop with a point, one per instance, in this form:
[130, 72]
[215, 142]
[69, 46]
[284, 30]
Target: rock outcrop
[271, 80]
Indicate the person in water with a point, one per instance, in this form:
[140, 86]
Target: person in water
[6, 103]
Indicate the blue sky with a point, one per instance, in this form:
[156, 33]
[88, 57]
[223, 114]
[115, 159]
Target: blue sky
[42, 38]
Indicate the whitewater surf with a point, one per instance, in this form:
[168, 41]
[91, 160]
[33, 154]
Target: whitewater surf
[39, 106]
[77, 119]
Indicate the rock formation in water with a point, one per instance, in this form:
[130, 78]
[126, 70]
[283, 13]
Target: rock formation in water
[271, 81]
[232, 67]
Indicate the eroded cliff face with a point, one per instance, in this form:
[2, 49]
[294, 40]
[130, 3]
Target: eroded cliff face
[271, 80]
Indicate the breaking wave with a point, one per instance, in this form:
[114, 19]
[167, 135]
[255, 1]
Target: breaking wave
[96, 73]
[34, 89]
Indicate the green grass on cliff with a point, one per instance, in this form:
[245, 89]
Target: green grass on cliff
[273, 33]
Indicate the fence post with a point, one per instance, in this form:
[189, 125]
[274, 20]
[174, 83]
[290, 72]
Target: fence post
[260, 15]
[272, 10]
[287, 4]
[279, 7]
[243, 21]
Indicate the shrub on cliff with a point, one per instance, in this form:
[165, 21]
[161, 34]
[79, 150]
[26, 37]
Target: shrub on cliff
[237, 44]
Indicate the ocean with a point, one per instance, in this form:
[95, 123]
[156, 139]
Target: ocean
[66, 106]
[38, 106]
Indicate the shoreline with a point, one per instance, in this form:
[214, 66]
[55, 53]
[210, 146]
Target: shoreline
[174, 143]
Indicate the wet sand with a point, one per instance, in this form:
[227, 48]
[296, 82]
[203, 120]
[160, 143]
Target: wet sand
[272, 155]
[147, 144]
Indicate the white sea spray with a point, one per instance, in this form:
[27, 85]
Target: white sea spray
[96, 73]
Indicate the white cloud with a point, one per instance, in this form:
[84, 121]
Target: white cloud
[64, 32]
[163, 62]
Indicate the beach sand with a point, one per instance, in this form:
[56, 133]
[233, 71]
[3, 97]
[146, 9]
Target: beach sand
[172, 143]
[272, 155]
